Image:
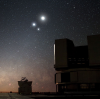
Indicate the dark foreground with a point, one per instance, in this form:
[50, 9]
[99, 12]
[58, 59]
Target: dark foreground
[48, 95]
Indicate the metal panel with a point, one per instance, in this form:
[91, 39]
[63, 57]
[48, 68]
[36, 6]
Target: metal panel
[88, 76]
[98, 76]
[58, 77]
[92, 76]
[63, 49]
[94, 49]
[60, 53]
[73, 76]
[83, 77]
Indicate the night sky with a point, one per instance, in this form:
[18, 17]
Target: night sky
[27, 40]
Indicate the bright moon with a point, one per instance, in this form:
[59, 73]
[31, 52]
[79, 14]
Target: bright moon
[43, 18]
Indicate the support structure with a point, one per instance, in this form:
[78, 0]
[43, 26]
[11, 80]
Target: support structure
[77, 67]
[25, 86]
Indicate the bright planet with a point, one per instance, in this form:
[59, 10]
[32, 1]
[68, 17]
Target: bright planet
[34, 24]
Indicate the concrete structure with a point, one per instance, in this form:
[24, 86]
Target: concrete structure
[94, 50]
[77, 67]
[66, 55]
[33, 96]
[25, 86]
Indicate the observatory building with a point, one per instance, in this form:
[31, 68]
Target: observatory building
[77, 67]
[24, 86]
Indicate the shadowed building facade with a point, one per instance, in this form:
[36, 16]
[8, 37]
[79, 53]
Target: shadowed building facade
[77, 67]
[24, 86]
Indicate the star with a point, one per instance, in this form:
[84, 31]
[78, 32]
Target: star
[38, 29]
[34, 24]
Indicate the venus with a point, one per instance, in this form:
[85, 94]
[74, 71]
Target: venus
[34, 24]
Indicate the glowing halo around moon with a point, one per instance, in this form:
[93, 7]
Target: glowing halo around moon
[43, 18]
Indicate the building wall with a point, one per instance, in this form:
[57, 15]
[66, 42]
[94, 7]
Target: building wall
[79, 76]
[25, 87]
[63, 50]
[58, 77]
[77, 67]
[60, 53]
[94, 50]
[66, 55]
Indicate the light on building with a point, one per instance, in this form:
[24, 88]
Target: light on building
[54, 53]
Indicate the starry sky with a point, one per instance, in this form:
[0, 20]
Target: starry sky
[27, 50]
